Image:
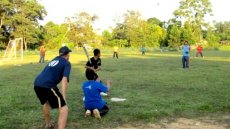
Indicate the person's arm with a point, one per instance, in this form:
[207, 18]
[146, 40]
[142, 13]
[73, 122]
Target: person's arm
[91, 68]
[98, 69]
[88, 66]
[104, 88]
[65, 79]
[108, 84]
[64, 86]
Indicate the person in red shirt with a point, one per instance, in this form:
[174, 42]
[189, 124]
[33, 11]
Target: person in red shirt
[199, 51]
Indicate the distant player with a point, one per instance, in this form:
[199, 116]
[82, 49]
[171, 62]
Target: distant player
[94, 104]
[42, 53]
[199, 51]
[143, 50]
[115, 52]
[45, 86]
[185, 51]
[94, 65]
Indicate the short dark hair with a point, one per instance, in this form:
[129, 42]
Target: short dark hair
[90, 75]
[96, 52]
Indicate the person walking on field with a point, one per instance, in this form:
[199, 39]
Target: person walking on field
[42, 54]
[94, 104]
[45, 86]
[199, 51]
[115, 52]
[185, 51]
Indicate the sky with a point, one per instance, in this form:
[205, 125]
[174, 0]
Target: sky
[109, 10]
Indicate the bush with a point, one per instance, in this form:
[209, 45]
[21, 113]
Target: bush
[224, 48]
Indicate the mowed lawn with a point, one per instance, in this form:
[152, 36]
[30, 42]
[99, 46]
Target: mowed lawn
[155, 86]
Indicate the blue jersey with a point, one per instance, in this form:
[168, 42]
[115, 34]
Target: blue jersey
[186, 50]
[53, 73]
[93, 99]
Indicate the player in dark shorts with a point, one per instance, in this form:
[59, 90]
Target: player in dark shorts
[45, 86]
[94, 65]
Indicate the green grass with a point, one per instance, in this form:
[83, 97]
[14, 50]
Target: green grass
[154, 85]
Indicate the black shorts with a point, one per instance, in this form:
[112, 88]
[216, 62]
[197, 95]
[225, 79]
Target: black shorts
[52, 95]
[104, 110]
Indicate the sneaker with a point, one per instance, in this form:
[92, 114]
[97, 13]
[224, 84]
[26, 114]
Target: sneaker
[87, 113]
[52, 126]
[96, 114]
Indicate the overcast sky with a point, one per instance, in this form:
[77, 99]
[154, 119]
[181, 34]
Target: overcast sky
[108, 10]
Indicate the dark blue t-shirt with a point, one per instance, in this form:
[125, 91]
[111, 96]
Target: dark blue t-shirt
[93, 99]
[53, 73]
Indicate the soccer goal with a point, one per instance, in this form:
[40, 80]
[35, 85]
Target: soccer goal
[14, 50]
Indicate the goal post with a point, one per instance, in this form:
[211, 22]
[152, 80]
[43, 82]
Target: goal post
[14, 50]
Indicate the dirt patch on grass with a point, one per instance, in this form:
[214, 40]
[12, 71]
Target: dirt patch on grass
[211, 122]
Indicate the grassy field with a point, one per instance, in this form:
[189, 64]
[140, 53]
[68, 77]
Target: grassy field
[155, 86]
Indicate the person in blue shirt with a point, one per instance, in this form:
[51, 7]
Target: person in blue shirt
[143, 50]
[93, 102]
[45, 86]
[185, 51]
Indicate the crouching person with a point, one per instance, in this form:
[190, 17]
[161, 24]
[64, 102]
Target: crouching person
[94, 104]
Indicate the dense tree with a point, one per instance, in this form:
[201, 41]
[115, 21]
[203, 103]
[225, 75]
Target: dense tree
[151, 34]
[174, 35]
[223, 30]
[155, 21]
[55, 35]
[106, 38]
[19, 18]
[212, 39]
[81, 29]
[138, 32]
[193, 12]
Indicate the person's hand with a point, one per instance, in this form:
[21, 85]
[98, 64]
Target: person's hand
[98, 69]
[108, 82]
[94, 70]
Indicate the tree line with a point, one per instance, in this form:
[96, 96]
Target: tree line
[21, 19]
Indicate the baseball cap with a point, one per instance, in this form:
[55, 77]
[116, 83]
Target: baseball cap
[64, 51]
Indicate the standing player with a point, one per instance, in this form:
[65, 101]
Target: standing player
[45, 86]
[42, 53]
[143, 50]
[199, 51]
[185, 51]
[94, 65]
[115, 52]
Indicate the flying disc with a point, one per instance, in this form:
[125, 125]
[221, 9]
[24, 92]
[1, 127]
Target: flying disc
[118, 99]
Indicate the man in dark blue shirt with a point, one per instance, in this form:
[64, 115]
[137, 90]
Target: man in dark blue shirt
[93, 101]
[45, 86]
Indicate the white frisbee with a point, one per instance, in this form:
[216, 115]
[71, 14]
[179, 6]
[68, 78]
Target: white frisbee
[118, 99]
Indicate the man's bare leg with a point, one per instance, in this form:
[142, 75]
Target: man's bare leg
[46, 112]
[63, 114]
